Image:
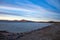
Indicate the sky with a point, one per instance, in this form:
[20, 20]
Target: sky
[35, 10]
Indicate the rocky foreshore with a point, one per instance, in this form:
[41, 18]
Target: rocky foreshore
[51, 32]
[4, 35]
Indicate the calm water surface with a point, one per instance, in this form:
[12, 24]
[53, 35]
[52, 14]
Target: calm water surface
[21, 26]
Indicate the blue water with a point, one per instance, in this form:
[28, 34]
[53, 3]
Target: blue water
[21, 26]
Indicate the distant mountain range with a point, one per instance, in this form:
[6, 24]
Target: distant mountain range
[25, 21]
[16, 20]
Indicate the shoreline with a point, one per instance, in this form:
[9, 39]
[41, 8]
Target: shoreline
[38, 34]
[44, 32]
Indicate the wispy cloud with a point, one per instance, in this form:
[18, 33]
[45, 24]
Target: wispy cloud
[13, 8]
[33, 9]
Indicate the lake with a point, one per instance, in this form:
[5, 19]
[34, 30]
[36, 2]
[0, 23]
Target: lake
[21, 26]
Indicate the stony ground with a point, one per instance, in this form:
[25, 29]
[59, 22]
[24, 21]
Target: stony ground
[48, 33]
[51, 32]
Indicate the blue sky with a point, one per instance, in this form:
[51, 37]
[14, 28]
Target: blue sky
[36, 10]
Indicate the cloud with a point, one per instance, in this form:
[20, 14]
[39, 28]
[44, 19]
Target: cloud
[33, 11]
[13, 8]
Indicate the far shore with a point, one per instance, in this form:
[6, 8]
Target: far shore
[29, 21]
